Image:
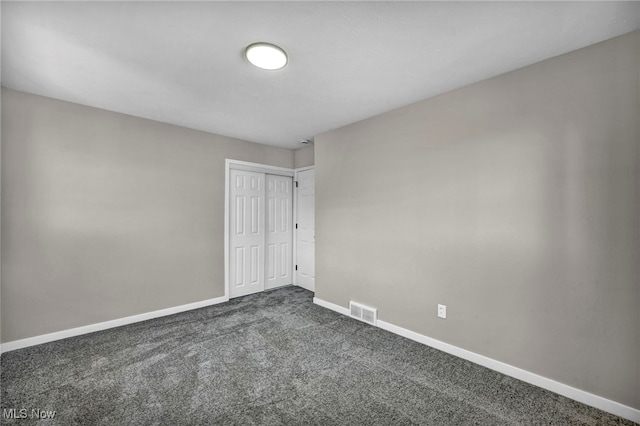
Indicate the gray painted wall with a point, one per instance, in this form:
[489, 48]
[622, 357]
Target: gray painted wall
[0, 208]
[0, 183]
[105, 215]
[303, 157]
[515, 202]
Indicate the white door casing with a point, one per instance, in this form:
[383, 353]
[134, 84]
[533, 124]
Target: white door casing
[306, 232]
[246, 232]
[279, 233]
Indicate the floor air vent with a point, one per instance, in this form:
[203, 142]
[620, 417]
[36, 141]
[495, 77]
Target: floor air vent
[363, 313]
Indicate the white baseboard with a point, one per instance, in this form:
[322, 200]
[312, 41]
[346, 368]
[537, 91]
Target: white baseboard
[339, 309]
[579, 395]
[58, 335]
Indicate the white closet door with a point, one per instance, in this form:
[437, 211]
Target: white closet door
[306, 231]
[246, 269]
[279, 238]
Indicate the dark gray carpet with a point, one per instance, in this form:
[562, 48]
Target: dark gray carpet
[270, 358]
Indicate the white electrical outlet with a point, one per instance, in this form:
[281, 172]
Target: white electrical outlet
[442, 311]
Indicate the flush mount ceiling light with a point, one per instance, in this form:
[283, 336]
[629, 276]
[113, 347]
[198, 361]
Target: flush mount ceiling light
[266, 56]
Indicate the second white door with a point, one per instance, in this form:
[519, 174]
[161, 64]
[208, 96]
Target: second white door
[279, 235]
[306, 231]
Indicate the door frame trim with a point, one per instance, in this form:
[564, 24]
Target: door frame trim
[249, 167]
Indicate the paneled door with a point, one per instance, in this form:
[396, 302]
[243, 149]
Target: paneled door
[246, 232]
[306, 230]
[279, 233]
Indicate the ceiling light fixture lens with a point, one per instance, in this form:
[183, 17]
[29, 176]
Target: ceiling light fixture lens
[266, 56]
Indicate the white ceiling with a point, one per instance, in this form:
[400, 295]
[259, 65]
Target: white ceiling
[182, 63]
